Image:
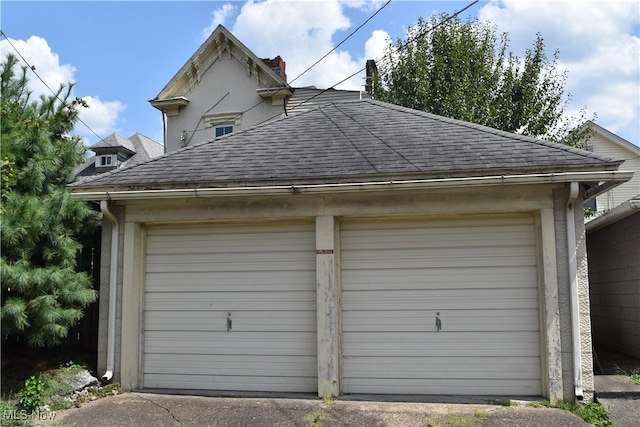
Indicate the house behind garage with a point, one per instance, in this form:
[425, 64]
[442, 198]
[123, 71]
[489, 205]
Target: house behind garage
[359, 247]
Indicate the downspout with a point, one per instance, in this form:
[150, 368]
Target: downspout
[113, 271]
[164, 131]
[573, 286]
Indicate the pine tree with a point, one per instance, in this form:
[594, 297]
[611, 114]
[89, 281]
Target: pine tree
[43, 294]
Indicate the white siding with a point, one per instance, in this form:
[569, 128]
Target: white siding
[478, 274]
[305, 99]
[263, 275]
[629, 189]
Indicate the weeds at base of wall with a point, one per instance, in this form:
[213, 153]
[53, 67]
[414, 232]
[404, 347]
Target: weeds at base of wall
[47, 392]
[457, 420]
[593, 412]
[316, 418]
[634, 374]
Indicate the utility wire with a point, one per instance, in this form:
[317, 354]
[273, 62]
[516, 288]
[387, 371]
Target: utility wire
[33, 69]
[421, 34]
[339, 44]
[305, 71]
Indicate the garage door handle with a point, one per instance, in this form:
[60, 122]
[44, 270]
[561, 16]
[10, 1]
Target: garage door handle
[438, 322]
[229, 323]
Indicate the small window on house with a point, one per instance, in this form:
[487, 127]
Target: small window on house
[107, 160]
[222, 130]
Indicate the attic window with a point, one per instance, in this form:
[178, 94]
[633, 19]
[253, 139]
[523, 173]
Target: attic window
[222, 130]
[106, 160]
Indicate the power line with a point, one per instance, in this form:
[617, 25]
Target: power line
[33, 69]
[304, 72]
[339, 44]
[422, 34]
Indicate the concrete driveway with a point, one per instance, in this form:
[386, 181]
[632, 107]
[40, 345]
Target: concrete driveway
[147, 409]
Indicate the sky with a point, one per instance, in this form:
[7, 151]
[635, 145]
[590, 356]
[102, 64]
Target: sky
[121, 54]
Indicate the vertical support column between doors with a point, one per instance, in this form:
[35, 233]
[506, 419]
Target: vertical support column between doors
[328, 305]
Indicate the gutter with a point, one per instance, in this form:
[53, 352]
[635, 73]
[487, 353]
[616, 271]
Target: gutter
[113, 271]
[605, 178]
[619, 212]
[573, 286]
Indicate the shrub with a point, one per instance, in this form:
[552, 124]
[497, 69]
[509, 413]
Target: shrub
[32, 394]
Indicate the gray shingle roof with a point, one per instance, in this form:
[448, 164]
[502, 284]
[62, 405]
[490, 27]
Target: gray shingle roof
[348, 141]
[144, 148]
[114, 141]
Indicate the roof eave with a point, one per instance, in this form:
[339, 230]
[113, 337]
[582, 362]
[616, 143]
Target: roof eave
[274, 92]
[618, 213]
[163, 104]
[112, 193]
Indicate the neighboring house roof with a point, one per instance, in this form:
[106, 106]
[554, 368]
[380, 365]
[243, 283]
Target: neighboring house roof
[221, 42]
[615, 139]
[347, 141]
[138, 148]
[606, 143]
[618, 213]
[307, 98]
[114, 142]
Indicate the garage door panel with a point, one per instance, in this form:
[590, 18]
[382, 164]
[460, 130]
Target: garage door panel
[263, 275]
[204, 381]
[465, 278]
[229, 237]
[230, 302]
[450, 387]
[410, 344]
[287, 281]
[442, 302]
[472, 235]
[228, 262]
[459, 320]
[181, 320]
[478, 275]
[454, 368]
[220, 365]
[373, 260]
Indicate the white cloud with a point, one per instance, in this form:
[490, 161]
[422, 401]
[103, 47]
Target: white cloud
[220, 16]
[596, 48]
[102, 116]
[301, 33]
[376, 46]
[37, 53]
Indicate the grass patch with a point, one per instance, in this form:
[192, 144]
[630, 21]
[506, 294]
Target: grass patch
[316, 418]
[457, 420]
[329, 400]
[593, 413]
[506, 403]
[633, 374]
[49, 389]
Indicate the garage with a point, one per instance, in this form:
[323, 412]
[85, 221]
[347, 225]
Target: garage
[446, 306]
[230, 307]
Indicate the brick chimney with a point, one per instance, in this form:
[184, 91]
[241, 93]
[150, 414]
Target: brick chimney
[372, 76]
[277, 65]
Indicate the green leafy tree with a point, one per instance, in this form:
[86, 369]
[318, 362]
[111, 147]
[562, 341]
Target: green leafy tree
[43, 295]
[462, 70]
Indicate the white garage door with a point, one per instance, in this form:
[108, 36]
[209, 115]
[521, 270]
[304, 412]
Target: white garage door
[476, 276]
[231, 307]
